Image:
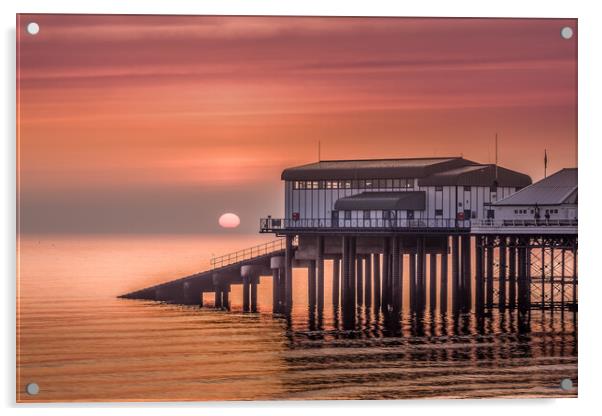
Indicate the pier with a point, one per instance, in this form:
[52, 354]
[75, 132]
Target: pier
[384, 247]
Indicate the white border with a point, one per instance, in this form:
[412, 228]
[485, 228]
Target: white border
[590, 155]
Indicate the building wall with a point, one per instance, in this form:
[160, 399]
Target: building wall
[560, 212]
[319, 203]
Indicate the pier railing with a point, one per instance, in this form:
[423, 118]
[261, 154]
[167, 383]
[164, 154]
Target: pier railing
[525, 223]
[248, 253]
[281, 224]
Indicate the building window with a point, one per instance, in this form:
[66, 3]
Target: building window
[459, 204]
[438, 213]
[396, 183]
[386, 215]
[467, 188]
[409, 183]
[347, 215]
[439, 188]
[366, 214]
[389, 183]
[369, 184]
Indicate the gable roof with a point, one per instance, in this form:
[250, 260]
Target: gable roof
[477, 175]
[558, 188]
[373, 168]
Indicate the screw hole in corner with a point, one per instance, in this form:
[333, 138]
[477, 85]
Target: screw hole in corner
[566, 32]
[32, 389]
[33, 28]
[566, 384]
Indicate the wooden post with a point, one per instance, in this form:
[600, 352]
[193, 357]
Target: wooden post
[376, 277]
[455, 270]
[368, 281]
[502, 282]
[336, 278]
[359, 282]
[479, 288]
[386, 272]
[433, 281]
[444, 278]
[489, 260]
[396, 275]
[320, 271]
[512, 273]
[311, 284]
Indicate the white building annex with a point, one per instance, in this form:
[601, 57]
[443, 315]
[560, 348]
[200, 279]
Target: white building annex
[548, 206]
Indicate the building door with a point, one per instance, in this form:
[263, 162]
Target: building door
[334, 218]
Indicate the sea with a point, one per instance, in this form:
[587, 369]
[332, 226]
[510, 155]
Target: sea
[80, 343]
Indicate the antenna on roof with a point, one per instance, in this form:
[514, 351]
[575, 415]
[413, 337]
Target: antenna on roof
[496, 160]
[319, 156]
[545, 163]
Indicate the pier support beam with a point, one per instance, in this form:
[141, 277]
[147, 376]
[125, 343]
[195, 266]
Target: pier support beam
[336, 282]
[420, 274]
[502, 273]
[386, 275]
[413, 289]
[480, 282]
[396, 275]
[466, 272]
[250, 279]
[288, 272]
[311, 284]
[320, 272]
[368, 281]
[512, 272]
[433, 281]
[444, 278]
[277, 264]
[359, 280]
[455, 271]
[489, 271]
[376, 280]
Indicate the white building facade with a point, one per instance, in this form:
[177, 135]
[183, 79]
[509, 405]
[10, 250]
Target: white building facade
[429, 192]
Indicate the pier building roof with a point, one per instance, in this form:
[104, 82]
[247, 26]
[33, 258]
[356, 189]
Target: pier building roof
[434, 171]
[558, 188]
[411, 200]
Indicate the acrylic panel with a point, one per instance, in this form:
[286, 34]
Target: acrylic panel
[295, 208]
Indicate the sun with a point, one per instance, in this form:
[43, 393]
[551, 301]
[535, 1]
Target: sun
[229, 220]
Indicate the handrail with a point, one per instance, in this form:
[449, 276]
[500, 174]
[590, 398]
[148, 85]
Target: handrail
[248, 253]
[275, 224]
[527, 223]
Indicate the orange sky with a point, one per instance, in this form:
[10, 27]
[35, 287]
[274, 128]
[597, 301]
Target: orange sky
[160, 123]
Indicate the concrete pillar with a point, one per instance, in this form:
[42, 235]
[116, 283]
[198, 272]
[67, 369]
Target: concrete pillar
[226, 297]
[246, 293]
[433, 281]
[502, 277]
[376, 280]
[277, 264]
[444, 278]
[320, 271]
[254, 283]
[250, 278]
[288, 272]
[359, 280]
[368, 281]
[336, 281]
[217, 284]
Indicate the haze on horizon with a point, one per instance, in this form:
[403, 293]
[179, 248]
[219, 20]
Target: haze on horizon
[159, 124]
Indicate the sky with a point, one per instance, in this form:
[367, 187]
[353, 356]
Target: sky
[159, 124]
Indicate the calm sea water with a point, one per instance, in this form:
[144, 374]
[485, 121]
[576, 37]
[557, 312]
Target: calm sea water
[80, 343]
